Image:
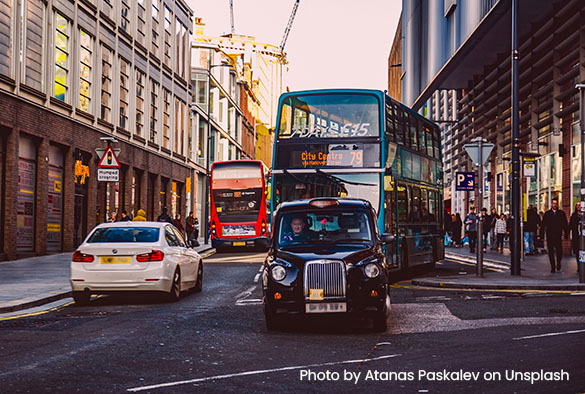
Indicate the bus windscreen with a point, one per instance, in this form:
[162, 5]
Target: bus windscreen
[334, 115]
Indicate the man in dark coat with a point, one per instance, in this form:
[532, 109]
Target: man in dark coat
[574, 227]
[164, 216]
[530, 227]
[554, 223]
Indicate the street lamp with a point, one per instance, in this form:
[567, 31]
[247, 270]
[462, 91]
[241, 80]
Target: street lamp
[581, 256]
[207, 170]
[515, 236]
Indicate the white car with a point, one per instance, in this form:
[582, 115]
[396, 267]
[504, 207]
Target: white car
[134, 256]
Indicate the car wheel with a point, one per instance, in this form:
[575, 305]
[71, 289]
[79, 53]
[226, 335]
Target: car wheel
[380, 322]
[81, 298]
[273, 322]
[199, 284]
[175, 292]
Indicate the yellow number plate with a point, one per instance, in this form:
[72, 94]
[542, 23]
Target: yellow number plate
[115, 260]
[239, 243]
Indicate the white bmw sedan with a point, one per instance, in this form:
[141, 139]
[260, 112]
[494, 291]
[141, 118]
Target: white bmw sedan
[134, 256]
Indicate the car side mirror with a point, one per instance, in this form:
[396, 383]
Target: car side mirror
[387, 238]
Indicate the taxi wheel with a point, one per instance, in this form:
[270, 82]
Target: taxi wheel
[380, 322]
[81, 298]
[273, 322]
[175, 292]
[199, 284]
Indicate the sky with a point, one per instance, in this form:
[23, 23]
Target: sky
[332, 43]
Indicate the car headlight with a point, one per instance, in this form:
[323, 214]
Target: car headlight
[372, 270]
[278, 273]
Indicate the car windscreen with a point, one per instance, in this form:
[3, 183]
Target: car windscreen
[124, 234]
[328, 227]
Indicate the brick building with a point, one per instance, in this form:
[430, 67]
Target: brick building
[71, 73]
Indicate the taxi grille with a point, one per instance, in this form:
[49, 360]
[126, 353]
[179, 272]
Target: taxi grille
[326, 275]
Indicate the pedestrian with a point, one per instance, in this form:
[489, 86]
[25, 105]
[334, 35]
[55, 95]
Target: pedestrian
[177, 223]
[124, 217]
[457, 225]
[500, 229]
[448, 224]
[530, 228]
[486, 227]
[574, 227]
[112, 218]
[554, 223]
[190, 226]
[196, 228]
[492, 218]
[140, 216]
[164, 216]
[471, 228]
[509, 229]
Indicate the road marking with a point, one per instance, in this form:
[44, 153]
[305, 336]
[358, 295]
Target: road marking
[552, 334]
[257, 372]
[404, 285]
[256, 278]
[37, 313]
[245, 293]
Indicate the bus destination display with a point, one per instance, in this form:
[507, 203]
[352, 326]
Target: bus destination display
[336, 158]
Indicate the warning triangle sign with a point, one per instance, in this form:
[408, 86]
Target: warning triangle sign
[109, 159]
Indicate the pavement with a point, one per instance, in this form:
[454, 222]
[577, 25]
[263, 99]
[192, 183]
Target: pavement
[534, 273]
[32, 282]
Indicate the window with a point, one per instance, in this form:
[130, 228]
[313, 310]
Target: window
[61, 57]
[153, 109]
[140, 22]
[85, 52]
[125, 15]
[35, 34]
[167, 39]
[107, 8]
[106, 102]
[166, 118]
[179, 52]
[155, 34]
[201, 142]
[139, 102]
[124, 95]
[200, 91]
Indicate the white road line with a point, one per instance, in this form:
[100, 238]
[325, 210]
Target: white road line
[245, 293]
[257, 278]
[550, 334]
[257, 372]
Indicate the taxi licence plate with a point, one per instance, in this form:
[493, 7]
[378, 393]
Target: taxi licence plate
[115, 260]
[239, 243]
[327, 307]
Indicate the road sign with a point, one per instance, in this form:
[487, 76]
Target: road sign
[529, 167]
[100, 152]
[473, 152]
[464, 181]
[109, 159]
[108, 175]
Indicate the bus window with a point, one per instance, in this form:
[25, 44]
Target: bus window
[300, 119]
[402, 203]
[424, 204]
[421, 135]
[414, 215]
[429, 140]
[285, 120]
[412, 131]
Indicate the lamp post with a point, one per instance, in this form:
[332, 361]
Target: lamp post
[581, 256]
[207, 169]
[515, 237]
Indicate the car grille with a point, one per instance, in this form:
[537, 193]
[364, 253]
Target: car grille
[327, 275]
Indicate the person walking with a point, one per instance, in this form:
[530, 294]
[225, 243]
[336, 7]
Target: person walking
[486, 227]
[457, 225]
[471, 228]
[177, 223]
[164, 216]
[554, 223]
[140, 216]
[500, 230]
[190, 226]
[574, 227]
[530, 228]
[492, 218]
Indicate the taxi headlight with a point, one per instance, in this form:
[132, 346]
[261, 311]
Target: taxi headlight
[278, 273]
[372, 270]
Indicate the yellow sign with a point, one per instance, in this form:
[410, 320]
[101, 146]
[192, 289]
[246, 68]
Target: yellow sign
[81, 171]
[315, 294]
[58, 186]
[188, 185]
[53, 227]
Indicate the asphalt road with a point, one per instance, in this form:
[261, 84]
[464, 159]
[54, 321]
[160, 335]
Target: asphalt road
[438, 341]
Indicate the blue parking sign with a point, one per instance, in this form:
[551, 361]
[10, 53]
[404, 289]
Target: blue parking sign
[464, 181]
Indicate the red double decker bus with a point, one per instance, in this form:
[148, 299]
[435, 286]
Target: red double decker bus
[238, 203]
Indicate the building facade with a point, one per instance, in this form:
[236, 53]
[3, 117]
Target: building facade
[456, 63]
[71, 74]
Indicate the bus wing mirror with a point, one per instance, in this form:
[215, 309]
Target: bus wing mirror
[388, 238]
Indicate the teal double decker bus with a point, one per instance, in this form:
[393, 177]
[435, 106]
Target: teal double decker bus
[364, 144]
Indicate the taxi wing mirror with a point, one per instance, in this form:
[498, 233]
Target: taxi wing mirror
[387, 238]
[263, 242]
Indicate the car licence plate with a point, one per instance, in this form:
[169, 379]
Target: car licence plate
[327, 307]
[239, 243]
[115, 260]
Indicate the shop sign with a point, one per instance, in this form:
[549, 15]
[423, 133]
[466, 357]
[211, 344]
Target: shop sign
[81, 171]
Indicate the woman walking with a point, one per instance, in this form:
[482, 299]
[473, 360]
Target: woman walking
[501, 231]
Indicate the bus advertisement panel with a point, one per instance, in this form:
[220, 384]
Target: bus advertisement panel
[238, 203]
[363, 144]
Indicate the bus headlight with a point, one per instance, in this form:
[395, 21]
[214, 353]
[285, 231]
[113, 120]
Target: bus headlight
[278, 273]
[372, 270]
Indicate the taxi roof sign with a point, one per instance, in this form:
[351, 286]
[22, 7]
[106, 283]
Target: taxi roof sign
[109, 159]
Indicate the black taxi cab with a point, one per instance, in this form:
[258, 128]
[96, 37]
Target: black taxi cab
[326, 256]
